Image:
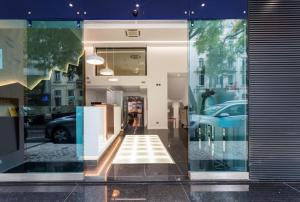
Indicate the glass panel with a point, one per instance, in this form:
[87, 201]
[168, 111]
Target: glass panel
[13, 49]
[218, 95]
[42, 65]
[124, 61]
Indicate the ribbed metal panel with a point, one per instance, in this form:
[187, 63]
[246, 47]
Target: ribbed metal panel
[274, 89]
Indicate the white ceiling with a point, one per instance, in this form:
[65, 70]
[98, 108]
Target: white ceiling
[113, 32]
[128, 89]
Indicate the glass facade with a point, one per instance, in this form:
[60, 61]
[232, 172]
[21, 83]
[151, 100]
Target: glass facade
[218, 95]
[42, 68]
[41, 84]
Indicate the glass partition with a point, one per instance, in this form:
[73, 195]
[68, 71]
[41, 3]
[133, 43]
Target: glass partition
[124, 61]
[41, 84]
[218, 95]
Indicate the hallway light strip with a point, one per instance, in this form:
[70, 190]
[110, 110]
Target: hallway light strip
[142, 149]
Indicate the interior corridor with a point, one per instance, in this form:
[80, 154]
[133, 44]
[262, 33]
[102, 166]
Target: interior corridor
[172, 168]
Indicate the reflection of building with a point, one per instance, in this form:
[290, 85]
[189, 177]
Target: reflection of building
[66, 91]
[60, 94]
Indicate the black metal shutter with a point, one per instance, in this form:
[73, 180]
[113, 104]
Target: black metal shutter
[274, 89]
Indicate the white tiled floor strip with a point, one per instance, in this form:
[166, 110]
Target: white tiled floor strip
[142, 149]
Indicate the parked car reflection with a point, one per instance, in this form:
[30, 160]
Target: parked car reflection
[226, 121]
[62, 130]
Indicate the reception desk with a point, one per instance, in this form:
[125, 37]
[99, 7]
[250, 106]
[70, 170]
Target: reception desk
[101, 124]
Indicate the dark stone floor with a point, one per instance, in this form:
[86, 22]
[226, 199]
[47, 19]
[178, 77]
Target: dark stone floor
[176, 142]
[264, 192]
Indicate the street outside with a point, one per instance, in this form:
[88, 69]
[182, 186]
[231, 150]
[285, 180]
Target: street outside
[40, 149]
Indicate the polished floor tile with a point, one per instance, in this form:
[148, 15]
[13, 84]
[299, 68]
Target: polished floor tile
[165, 192]
[147, 192]
[294, 185]
[36, 193]
[242, 193]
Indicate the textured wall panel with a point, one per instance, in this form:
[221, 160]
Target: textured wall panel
[274, 89]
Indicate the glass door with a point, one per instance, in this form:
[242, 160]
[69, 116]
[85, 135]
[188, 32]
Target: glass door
[218, 135]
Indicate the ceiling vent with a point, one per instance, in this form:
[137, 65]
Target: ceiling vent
[133, 33]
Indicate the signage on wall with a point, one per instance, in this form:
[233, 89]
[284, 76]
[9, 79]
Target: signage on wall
[1, 58]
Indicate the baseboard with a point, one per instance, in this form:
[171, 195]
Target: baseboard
[41, 177]
[218, 175]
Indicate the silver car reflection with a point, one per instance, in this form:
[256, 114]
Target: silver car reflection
[226, 121]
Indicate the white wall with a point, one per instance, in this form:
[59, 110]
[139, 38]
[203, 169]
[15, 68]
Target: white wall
[178, 89]
[95, 95]
[162, 60]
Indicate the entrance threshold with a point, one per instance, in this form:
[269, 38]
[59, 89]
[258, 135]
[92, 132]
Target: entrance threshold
[218, 175]
[41, 177]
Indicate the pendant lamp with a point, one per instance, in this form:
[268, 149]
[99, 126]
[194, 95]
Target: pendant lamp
[106, 71]
[94, 59]
[113, 79]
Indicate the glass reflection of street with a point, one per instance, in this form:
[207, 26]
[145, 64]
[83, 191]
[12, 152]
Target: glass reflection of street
[218, 96]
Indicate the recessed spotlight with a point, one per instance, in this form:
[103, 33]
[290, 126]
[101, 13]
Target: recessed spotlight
[115, 193]
[29, 23]
[244, 12]
[203, 4]
[84, 12]
[29, 12]
[78, 24]
[77, 12]
[71, 5]
[137, 5]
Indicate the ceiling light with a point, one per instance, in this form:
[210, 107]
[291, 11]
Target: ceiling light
[71, 5]
[203, 4]
[94, 60]
[106, 72]
[113, 79]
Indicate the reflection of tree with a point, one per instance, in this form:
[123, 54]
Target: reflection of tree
[221, 42]
[49, 48]
[74, 70]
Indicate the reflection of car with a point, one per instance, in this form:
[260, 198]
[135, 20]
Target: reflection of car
[62, 130]
[226, 121]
